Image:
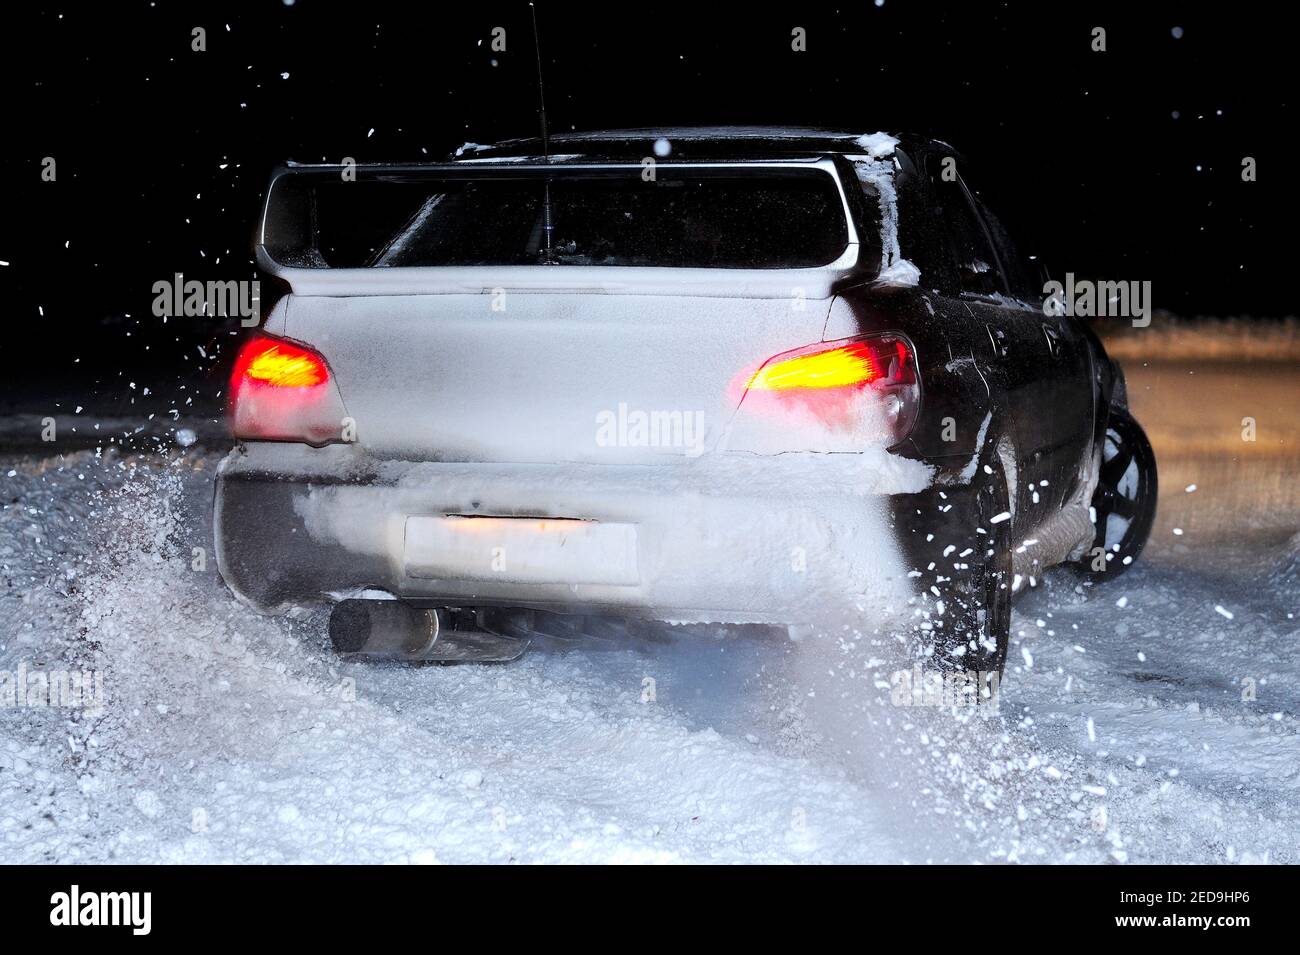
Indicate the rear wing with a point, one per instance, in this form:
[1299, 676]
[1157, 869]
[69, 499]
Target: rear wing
[404, 229]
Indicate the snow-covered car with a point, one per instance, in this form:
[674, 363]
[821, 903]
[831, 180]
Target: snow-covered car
[729, 375]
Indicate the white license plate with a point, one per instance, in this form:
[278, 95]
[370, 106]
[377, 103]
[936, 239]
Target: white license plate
[521, 550]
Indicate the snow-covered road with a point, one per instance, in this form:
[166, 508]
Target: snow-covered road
[1122, 735]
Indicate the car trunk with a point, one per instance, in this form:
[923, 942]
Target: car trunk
[588, 313]
[526, 376]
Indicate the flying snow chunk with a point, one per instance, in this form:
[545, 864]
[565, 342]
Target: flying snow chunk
[663, 147]
[877, 145]
[901, 274]
[999, 518]
[186, 437]
[1223, 611]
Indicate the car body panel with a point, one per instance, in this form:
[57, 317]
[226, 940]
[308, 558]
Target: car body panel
[530, 377]
[727, 538]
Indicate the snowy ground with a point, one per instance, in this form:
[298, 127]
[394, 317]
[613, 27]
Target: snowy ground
[1122, 736]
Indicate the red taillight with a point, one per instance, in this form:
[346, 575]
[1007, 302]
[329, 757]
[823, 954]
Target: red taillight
[850, 392]
[850, 365]
[280, 364]
[281, 391]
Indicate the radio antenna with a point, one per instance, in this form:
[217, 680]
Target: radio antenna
[547, 227]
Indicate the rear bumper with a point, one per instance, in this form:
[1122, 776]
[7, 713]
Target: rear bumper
[737, 539]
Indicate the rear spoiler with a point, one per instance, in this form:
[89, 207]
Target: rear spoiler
[289, 221]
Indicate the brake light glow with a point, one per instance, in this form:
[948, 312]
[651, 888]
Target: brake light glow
[282, 391]
[857, 363]
[837, 395]
[284, 365]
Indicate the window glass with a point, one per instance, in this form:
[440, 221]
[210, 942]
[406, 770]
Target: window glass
[921, 236]
[687, 219]
[974, 259]
[1022, 277]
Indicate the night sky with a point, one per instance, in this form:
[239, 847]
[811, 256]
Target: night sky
[1124, 164]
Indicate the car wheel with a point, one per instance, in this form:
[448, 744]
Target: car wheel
[1124, 503]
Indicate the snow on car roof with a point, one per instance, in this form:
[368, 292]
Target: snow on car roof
[710, 132]
[697, 140]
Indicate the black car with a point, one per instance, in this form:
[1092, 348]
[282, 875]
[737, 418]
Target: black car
[710, 376]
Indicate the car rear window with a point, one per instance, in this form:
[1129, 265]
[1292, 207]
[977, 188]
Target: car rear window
[755, 219]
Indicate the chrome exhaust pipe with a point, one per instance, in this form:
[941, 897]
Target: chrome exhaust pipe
[383, 629]
[395, 630]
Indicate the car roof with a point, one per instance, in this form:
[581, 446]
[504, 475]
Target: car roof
[688, 142]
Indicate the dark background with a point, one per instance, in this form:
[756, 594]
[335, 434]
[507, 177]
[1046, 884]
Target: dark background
[1124, 164]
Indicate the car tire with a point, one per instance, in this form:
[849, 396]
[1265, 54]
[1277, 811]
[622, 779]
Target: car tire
[1124, 504]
